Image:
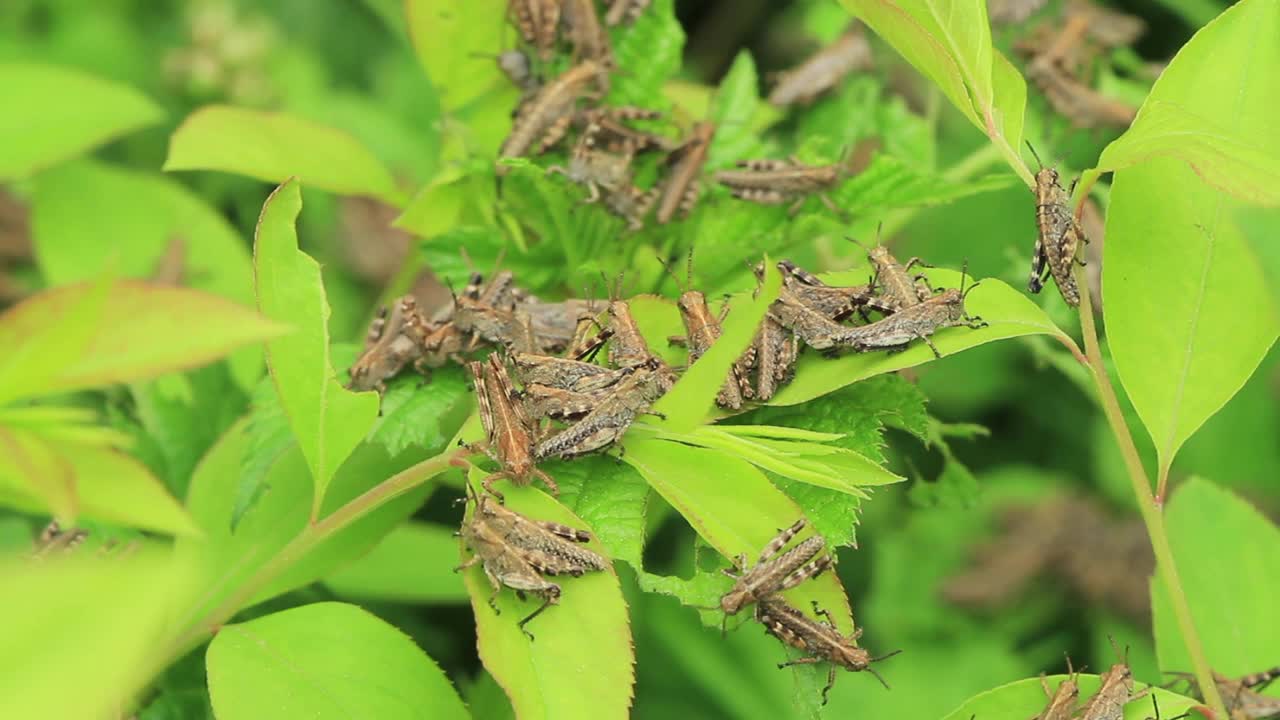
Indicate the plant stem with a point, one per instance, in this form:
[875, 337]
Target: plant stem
[311, 536]
[1152, 512]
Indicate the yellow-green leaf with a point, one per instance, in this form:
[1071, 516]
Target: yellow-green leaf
[452, 40]
[274, 146]
[327, 419]
[82, 336]
[52, 114]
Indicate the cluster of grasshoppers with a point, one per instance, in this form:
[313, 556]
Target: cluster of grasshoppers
[601, 158]
[1242, 696]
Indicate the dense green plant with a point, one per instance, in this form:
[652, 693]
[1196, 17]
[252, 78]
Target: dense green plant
[291, 527]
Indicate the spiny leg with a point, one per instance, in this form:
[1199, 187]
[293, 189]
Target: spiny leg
[546, 480]
[545, 604]
[831, 681]
[780, 540]
[932, 347]
[820, 612]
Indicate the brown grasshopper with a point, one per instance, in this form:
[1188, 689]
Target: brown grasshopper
[631, 204]
[590, 41]
[821, 640]
[702, 329]
[54, 540]
[1058, 237]
[627, 346]
[614, 413]
[774, 572]
[594, 168]
[625, 11]
[615, 135]
[556, 324]
[1241, 696]
[1012, 12]
[544, 119]
[389, 346]
[509, 435]
[898, 330]
[1062, 704]
[823, 70]
[774, 182]
[541, 401]
[773, 357]
[831, 301]
[1079, 103]
[899, 288]
[516, 552]
[681, 187]
[1115, 692]
[538, 22]
[564, 373]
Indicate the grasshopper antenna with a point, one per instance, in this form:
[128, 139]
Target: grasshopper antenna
[1035, 154]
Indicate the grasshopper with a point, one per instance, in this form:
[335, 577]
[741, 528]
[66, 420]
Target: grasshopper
[538, 22]
[615, 136]
[702, 329]
[627, 346]
[898, 330]
[899, 288]
[614, 413]
[389, 346]
[820, 640]
[1115, 692]
[556, 324]
[773, 357]
[625, 11]
[54, 540]
[1241, 695]
[774, 572]
[822, 71]
[1059, 235]
[1012, 12]
[681, 187]
[590, 41]
[1079, 103]
[560, 403]
[516, 552]
[564, 373]
[595, 168]
[631, 204]
[544, 119]
[1062, 704]
[832, 302]
[509, 435]
[774, 182]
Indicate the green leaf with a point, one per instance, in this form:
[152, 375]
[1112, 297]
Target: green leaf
[1187, 310]
[86, 216]
[54, 468]
[1026, 698]
[732, 506]
[733, 109]
[421, 413]
[610, 497]
[289, 658]
[449, 37]
[327, 419]
[580, 665]
[86, 623]
[1009, 313]
[1010, 104]
[82, 336]
[650, 51]
[412, 564]
[45, 118]
[1222, 547]
[946, 40]
[890, 183]
[438, 206]
[687, 404]
[275, 147]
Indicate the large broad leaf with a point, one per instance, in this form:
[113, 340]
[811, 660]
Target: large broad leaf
[413, 563]
[1187, 310]
[50, 468]
[1026, 698]
[581, 663]
[52, 114]
[86, 216]
[949, 41]
[327, 419]
[650, 51]
[85, 632]
[733, 506]
[82, 336]
[1223, 549]
[326, 660]
[452, 41]
[276, 146]
[1008, 312]
[733, 109]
